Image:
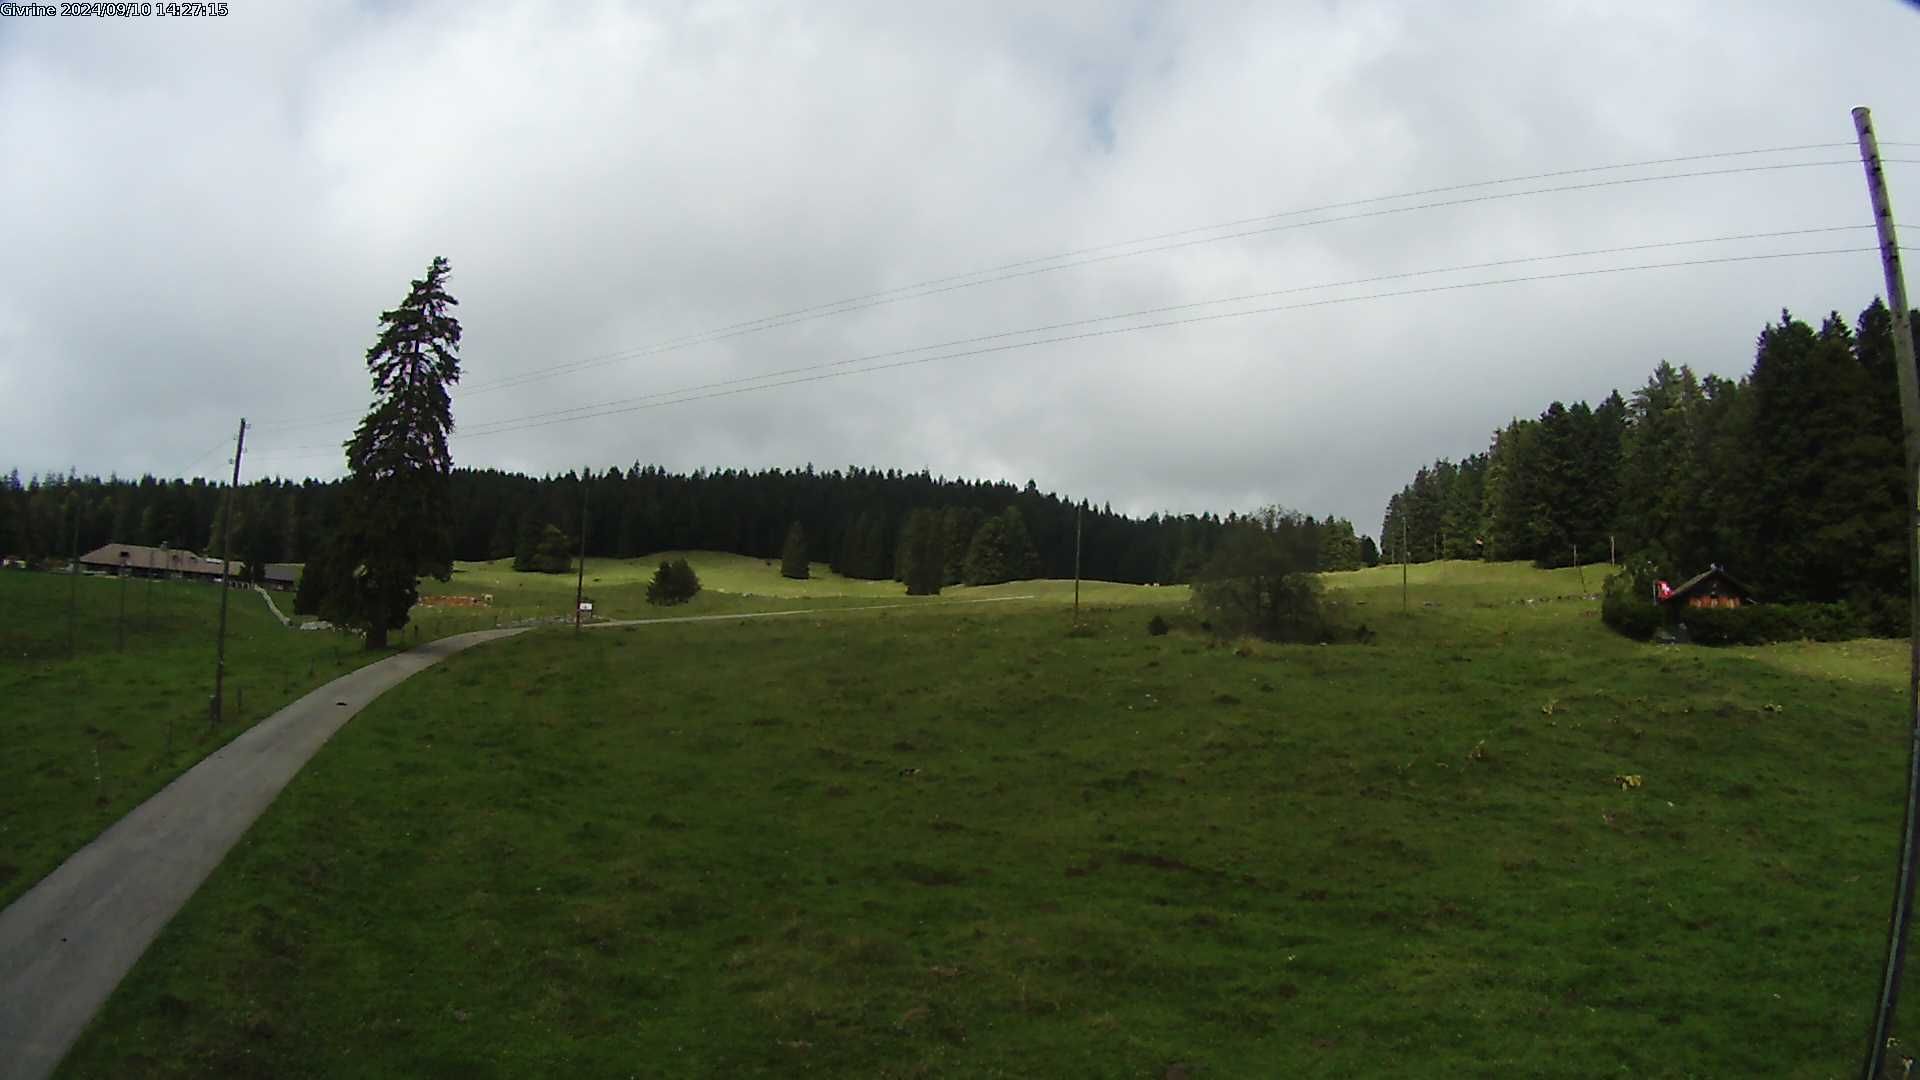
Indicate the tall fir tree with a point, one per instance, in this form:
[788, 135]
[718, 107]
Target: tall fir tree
[393, 526]
[793, 553]
[922, 553]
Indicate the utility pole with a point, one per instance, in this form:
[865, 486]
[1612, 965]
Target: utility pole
[1076, 565]
[1579, 569]
[73, 570]
[157, 571]
[1405, 605]
[1901, 921]
[580, 582]
[120, 628]
[226, 567]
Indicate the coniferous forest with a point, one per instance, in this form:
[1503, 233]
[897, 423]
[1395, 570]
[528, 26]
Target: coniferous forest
[860, 521]
[1791, 477]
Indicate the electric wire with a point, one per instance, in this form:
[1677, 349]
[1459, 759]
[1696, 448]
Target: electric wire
[1028, 267]
[1144, 312]
[614, 408]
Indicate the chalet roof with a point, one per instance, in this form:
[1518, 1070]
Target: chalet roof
[1699, 583]
[141, 557]
[281, 571]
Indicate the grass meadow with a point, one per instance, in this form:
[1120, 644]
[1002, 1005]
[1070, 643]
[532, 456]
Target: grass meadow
[87, 737]
[971, 841]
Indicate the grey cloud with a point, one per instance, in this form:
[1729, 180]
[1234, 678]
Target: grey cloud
[204, 219]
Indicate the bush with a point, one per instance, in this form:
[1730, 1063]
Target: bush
[546, 552]
[1759, 624]
[1261, 582]
[1156, 626]
[674, 583]
[1627, 603]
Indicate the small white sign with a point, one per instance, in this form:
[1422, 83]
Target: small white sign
[586, 606]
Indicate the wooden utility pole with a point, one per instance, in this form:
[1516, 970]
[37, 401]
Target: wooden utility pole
[1901, 921]
[226, 568]
[73, 570]
[580, 582]
[1405, 605]
[1076, 565]
[120, 628]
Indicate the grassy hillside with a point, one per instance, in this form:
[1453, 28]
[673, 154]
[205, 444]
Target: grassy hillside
[729, 583]
[85, 739]
[962, 842]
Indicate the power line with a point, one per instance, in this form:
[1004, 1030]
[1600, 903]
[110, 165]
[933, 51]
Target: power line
[1023, 263]
[520, 421]
[1142, 313]
[574, 367]
[1029, 267]
[618, 408]
[197, 458]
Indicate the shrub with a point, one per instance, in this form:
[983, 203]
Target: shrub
[674, 583]
[1759, 624]
[1627, 603]
[1156, 626]
[1260, 580]
[547, 552]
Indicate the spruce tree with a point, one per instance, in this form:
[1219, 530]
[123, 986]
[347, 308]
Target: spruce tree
[793, 554]
[1023, 562]
[986, 562]
[923, 553]
[393, 524]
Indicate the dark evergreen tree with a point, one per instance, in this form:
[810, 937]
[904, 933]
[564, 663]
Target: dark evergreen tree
[793, 553]
[549, 552]
[922, 553]
[394, 522]
[673, 583]
[1023, 561]
[957, 526]
[987, 562]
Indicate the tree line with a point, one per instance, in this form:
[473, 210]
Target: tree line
[1791, 477]
[859, 521]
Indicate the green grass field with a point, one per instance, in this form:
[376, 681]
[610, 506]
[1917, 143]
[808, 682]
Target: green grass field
[86, 739]
[962, 841]
[729, 583]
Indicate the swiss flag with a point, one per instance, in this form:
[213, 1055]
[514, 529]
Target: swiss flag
[1662, 590]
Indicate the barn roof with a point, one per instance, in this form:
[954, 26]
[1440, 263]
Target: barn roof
[1699, 583]
[141, 557]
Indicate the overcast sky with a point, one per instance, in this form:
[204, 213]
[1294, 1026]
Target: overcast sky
[201, 219]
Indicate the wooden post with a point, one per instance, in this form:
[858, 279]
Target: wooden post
[580, 582]
[73, 570]
[1580, 569]
[1901, 922]
[226, 568]
[1405, 604]
[1076, 566]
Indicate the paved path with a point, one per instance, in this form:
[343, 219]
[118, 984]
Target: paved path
[68, 941]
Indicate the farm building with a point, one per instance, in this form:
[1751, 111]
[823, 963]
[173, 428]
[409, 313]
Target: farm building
[1712, 588]
[143, 561]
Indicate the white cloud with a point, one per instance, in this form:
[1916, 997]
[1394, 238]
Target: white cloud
[204, 219]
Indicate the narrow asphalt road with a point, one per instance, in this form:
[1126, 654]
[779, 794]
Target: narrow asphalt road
[67, 942]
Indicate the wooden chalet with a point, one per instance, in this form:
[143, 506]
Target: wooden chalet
[1713, 588]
